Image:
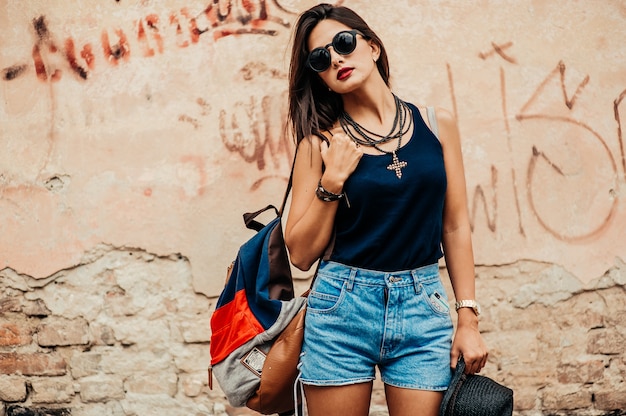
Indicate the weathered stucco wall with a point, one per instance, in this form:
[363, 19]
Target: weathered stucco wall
[134, 134]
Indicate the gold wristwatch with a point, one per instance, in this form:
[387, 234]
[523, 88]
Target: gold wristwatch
[468, 304]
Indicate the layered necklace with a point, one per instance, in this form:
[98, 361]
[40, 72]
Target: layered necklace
[402, 123]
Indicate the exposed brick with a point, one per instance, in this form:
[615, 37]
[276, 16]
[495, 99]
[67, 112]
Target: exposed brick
[101, 388]
[195, 330]
[63, 332]
[36, 308]
[85, 364]
[10, 304]
[152, 384]
[611, 400]
[524, 398]
[12, 334]
[45, 390]
[566, 398]
[12, 389]
[193, 384]
[102, 334]
[605, 342]
[35, 364]
[581, 372]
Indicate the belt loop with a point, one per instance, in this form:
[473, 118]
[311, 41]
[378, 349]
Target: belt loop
[350, 284]
[416, 281]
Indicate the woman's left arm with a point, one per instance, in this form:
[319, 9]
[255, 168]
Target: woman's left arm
[457, 247]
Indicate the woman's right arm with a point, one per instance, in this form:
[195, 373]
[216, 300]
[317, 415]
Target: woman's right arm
[310, 221]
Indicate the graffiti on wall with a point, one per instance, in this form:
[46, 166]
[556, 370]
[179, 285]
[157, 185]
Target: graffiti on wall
[521, 191]
[217, 20]
[594, 227]
[254, 145]
[149, 32]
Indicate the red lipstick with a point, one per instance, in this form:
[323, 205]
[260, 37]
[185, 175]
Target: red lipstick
[344, 73]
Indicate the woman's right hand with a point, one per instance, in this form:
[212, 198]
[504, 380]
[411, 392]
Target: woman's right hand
[341, 158]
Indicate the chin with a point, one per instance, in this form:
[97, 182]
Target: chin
[347, 86]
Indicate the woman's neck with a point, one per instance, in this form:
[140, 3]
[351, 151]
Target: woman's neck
[373, 104]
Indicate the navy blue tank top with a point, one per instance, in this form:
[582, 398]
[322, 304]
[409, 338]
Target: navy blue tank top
[393, 223]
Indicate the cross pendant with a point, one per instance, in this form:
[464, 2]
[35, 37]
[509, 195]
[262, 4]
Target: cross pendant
[397, 165]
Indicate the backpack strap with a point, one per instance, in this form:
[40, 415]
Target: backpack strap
[289, 183]
[432, 120]
[251, 223]
[293, 164]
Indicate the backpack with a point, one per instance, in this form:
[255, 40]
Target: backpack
[257, 326]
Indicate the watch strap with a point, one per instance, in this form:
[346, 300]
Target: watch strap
[468, 303]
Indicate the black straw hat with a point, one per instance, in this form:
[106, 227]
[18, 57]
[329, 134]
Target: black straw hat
[474, 395]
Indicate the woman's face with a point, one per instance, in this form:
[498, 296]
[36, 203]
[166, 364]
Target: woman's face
[346, 72]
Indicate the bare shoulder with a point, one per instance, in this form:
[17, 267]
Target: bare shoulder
[309, 152]
[309, 143]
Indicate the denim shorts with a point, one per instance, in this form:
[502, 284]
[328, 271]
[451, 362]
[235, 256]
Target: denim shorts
[358, 319]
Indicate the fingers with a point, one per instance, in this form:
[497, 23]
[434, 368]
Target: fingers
[342, 139]
[484, 361]
[342, 146]
[340, 157]
[475, 362]
[475, 359]
[454, 359]
[324, 147]
[469, 344]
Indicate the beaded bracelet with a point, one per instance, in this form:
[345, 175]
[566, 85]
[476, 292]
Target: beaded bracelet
[325, 195]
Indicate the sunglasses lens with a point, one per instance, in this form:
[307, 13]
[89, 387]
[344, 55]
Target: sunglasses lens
[319, 59]
[344, 42]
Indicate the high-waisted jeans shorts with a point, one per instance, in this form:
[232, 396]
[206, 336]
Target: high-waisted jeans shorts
[358, 319]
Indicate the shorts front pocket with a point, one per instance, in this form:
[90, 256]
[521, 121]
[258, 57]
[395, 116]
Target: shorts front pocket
[435, 295]
[326, 295]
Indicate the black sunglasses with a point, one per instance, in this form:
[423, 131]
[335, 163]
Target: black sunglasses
[343, 43]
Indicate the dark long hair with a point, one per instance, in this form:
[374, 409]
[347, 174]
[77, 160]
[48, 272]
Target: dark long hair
[312, 107]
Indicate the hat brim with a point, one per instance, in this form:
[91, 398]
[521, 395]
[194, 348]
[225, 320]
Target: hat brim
[475, 395]
[455, 384]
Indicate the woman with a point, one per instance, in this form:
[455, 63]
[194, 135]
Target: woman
[374, 183]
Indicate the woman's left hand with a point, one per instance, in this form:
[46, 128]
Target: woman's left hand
[469, 343]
